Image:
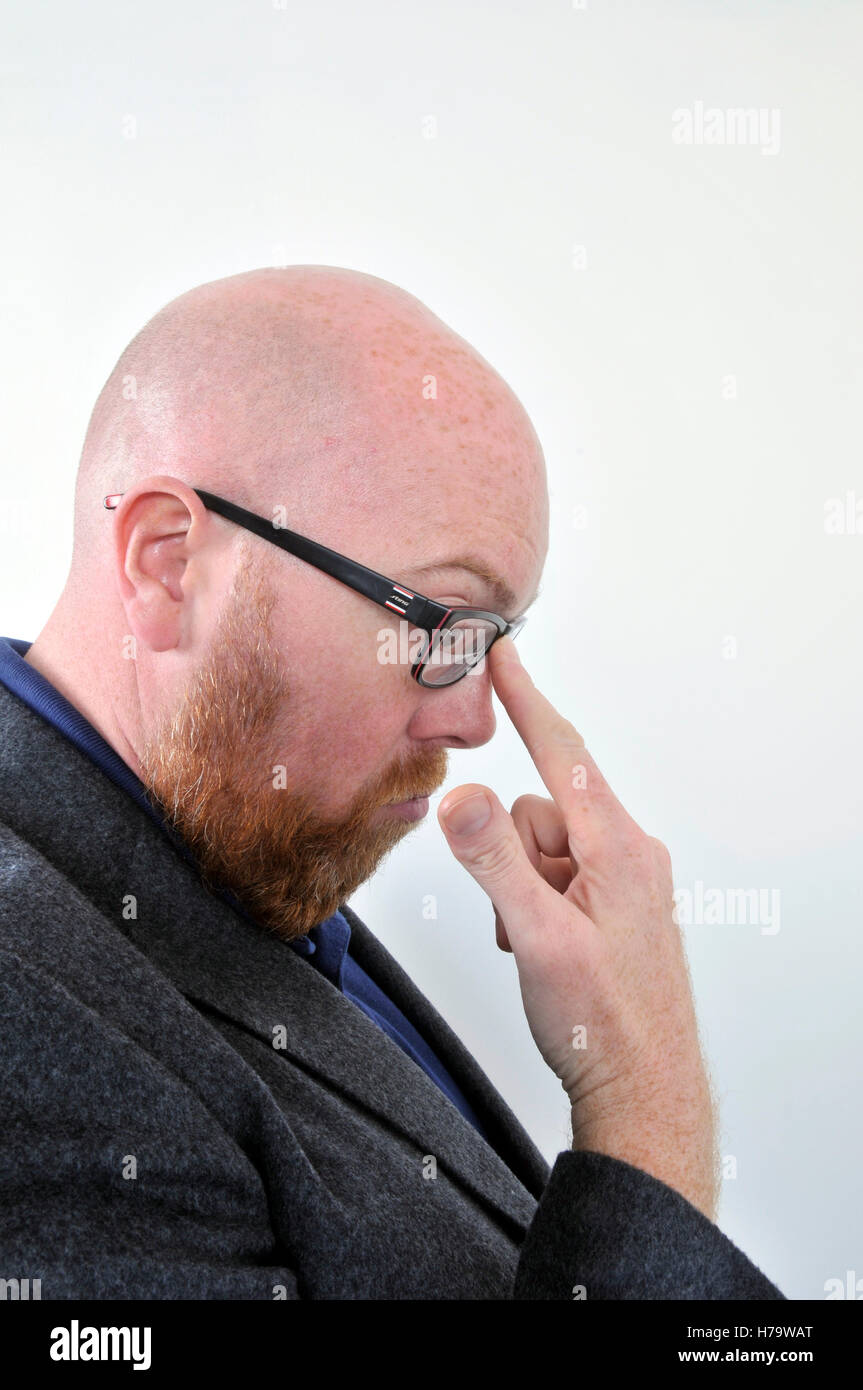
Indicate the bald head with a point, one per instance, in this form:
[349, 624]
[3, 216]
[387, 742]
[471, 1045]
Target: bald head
[322, 388]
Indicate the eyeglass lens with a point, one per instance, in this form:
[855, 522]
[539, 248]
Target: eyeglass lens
[455, 649]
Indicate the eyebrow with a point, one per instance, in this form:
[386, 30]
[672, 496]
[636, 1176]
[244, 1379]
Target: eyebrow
[503, 597]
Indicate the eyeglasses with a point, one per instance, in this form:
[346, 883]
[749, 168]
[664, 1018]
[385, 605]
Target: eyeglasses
[456, 638]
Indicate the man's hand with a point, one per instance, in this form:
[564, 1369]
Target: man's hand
[584, 899]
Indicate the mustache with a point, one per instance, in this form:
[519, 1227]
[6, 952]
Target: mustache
[420, 775]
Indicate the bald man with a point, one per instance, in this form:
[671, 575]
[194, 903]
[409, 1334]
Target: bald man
[308, 520]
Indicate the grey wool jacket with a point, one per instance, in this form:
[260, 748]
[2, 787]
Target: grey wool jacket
[156, 1143]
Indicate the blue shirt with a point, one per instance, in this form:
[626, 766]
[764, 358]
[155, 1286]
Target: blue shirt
[326, 946]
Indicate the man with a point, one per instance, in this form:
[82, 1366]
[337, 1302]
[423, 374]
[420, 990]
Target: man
[217, 1083]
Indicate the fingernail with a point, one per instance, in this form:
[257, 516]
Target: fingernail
[468, 815]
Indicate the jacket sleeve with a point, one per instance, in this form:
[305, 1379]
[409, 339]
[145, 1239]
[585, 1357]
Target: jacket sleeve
[117, 1183]
[604, 1229]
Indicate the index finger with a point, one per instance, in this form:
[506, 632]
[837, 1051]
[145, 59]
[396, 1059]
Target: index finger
[587, 803]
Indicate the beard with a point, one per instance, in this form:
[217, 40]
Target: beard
[215, 770]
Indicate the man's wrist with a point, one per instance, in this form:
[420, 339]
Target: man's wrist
[682, 1157]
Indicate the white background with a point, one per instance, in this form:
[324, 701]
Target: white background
[693, 370]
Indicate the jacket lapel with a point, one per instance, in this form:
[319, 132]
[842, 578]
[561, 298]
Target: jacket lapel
[507, 1134]
[94, 832]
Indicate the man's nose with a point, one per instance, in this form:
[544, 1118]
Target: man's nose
[460, 715]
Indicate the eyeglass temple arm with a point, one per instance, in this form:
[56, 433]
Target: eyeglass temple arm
[416, 608]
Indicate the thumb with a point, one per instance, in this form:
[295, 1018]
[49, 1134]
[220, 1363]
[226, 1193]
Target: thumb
[483, 837]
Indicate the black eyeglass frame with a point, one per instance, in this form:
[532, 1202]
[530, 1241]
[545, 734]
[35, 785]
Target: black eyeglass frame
[421, 612]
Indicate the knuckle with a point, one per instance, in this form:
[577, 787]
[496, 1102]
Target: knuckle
[559, 734]
[493, 860]
[661, 854]
[640, 853]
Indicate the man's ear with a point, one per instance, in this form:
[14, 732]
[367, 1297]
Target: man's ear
[160, 528]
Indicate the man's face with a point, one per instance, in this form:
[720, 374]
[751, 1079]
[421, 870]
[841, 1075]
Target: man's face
[222, 772]
[287, 752]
